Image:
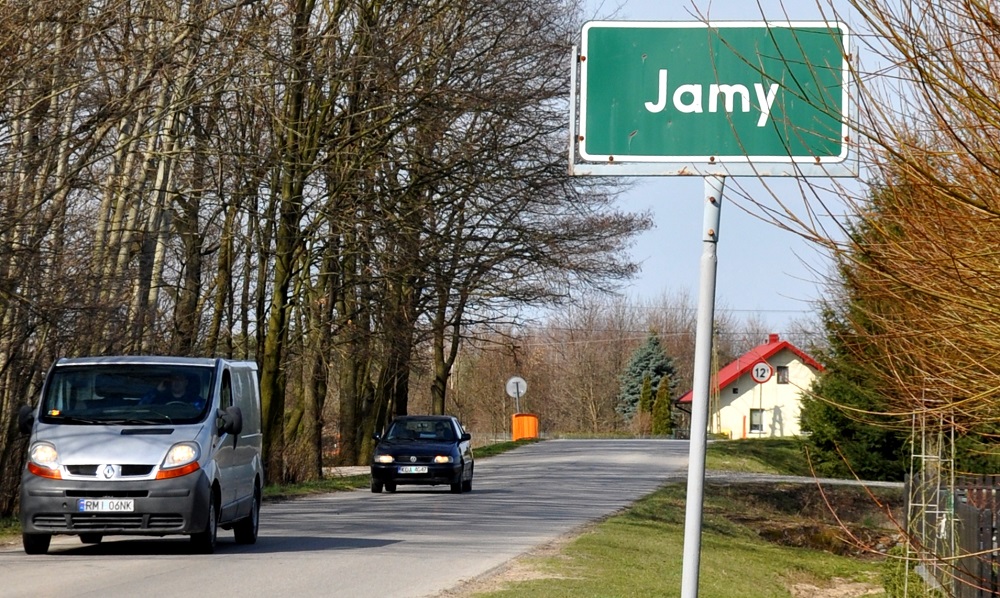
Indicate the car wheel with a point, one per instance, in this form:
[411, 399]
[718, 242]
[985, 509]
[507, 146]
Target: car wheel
[376, 487]
[467, 484]
[36, 543]
[204, 541]
[246, 529]
[390, 487]
[91, 538]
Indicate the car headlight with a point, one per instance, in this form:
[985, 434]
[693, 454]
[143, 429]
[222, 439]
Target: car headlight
[383, 458]
[43, 460]
[180, 454]
[181, 459]
[443, 459]
[44, 454]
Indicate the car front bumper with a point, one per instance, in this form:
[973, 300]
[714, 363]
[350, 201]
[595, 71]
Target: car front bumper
[444, 473]
[161, 507]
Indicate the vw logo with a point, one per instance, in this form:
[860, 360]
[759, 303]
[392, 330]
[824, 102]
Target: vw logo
[109, 472]
[413, 459]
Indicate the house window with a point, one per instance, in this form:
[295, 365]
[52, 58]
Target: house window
[736, 391]
[756, 420]
[782, 371]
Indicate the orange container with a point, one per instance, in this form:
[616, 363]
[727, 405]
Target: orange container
[524, 425]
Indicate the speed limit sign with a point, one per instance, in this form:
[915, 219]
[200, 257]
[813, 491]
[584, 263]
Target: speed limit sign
[761, 372]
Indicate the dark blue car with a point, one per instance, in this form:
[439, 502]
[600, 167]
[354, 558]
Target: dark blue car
[425, 450]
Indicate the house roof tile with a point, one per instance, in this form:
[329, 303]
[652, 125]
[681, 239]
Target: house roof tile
[743, 363]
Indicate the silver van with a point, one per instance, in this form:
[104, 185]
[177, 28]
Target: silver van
[150, 446]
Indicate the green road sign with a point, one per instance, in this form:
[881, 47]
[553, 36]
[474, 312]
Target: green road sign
[757, 93]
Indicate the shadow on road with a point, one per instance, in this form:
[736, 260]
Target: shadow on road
[182, 546]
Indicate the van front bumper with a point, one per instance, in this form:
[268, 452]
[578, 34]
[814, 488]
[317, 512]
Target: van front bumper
[160, 507]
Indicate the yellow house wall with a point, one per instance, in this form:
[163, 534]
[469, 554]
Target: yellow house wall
[781, 402]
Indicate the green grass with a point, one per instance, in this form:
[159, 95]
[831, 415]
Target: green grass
[330, 484]
[757, 540]
[783, 456]
[9, 526]
[639, 553]
[491, 450]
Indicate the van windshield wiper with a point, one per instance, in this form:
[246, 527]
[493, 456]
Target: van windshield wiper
[73, 419]
[144, 422]
[108, 421]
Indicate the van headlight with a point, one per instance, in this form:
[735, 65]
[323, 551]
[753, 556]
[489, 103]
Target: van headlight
[443, 459]
[181, 459]
[383, 458]
[43, 460]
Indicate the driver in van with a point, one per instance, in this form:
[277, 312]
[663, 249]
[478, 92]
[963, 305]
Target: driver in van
[177, 389]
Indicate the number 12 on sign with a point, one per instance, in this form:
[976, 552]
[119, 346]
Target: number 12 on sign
[761, 372]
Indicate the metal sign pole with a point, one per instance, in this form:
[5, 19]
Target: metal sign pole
[714, 186]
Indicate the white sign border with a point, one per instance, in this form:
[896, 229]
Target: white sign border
[844, 165]
[770, 372]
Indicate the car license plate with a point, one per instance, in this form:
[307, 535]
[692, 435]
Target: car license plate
[413, 469]
[85, 505]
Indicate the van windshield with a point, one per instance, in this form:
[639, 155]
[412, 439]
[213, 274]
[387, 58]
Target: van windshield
[126, 394]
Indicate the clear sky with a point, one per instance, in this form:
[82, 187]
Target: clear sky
[762, 269]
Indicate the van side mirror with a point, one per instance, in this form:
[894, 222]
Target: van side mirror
[376, 437]
[25, 419]
[230, 420]
[466, 436]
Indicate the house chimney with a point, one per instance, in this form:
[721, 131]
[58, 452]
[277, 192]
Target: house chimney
[772, 338]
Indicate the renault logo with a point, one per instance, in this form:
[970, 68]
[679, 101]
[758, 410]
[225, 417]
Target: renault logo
[109, 472]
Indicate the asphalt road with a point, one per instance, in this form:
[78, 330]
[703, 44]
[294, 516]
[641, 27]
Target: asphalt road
[418, 541]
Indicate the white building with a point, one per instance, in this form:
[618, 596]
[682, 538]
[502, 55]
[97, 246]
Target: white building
[760, 393]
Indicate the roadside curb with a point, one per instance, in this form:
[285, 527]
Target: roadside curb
[343, 472]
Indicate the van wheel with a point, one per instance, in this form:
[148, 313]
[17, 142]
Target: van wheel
[390, 487]
[204, 542]
[246, 529]
[376, 487]
[36, 543]
[91, 538]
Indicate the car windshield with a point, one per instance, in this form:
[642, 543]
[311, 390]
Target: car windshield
[421, 429]
[126, 394]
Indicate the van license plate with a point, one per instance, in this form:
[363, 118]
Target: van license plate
[413, 469]
[85, 505]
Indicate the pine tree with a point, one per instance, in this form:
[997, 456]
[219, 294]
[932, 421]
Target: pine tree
[648, 360]
[845, 436]
[646, 395]
[663, 419]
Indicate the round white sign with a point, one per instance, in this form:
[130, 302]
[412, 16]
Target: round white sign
[761, 372]
[516, 387]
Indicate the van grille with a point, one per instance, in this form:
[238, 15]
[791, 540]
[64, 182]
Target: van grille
[107, 493]
[127, 471]
[97, 522]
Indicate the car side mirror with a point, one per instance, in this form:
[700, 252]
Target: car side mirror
[25, 419]
[230, 420]
[466, 436]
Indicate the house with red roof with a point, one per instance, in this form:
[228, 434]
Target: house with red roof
[760, 393]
